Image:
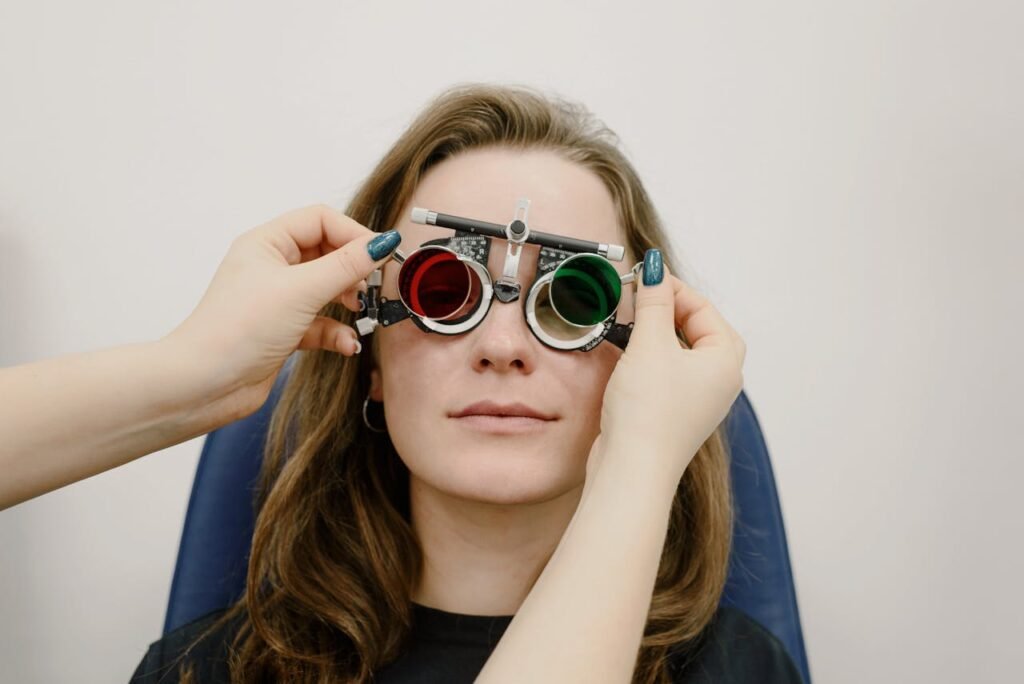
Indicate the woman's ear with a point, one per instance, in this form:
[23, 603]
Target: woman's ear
[376, 385]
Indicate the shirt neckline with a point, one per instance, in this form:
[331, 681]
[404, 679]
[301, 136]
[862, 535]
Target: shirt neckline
[441, 625]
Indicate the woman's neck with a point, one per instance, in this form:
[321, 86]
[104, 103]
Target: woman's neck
[481, 557]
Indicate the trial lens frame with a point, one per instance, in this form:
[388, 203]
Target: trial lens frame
[472, 239]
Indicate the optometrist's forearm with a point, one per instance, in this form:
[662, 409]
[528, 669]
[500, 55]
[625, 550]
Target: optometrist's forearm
[71, 417]
[584, 618]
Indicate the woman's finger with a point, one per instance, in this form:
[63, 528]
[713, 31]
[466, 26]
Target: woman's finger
[306, 234]
[326, 333]
[350, 297]
[699, 320]
[338, 271]
[653, 307]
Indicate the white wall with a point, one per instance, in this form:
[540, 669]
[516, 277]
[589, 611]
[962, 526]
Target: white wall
[843, 179]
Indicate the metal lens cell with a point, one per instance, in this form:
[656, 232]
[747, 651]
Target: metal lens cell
[550, 322]
[585, 289]
[434, 283]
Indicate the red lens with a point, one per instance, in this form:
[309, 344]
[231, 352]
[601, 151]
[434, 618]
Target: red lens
[434, 283]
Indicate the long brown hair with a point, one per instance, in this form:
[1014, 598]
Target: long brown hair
[334, 559]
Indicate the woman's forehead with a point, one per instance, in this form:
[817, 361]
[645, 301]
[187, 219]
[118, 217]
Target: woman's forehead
[565, 198]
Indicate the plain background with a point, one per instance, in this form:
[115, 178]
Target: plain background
[844, 180]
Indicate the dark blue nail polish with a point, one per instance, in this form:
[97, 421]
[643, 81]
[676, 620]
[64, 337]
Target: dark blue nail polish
[653, 271]
[384, 244]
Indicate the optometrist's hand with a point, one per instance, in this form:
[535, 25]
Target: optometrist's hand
[264, 299]
[81, 414]
[663, 400]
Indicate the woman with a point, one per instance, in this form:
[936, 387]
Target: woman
[427, 542]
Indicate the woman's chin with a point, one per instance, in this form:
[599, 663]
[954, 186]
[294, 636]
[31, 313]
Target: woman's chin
[504, 480]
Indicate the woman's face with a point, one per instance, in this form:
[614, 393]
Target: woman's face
[425, 378]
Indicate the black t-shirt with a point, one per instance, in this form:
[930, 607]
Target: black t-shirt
[450, 648]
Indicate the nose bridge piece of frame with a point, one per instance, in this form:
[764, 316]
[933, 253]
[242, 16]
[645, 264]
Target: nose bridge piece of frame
[508, 287]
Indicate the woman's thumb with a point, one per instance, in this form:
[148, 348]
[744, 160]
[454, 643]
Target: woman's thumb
[655, 302]
[342, 268]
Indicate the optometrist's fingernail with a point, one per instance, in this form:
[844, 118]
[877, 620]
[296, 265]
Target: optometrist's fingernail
[359, 346]
[653, 269]
[383, 245]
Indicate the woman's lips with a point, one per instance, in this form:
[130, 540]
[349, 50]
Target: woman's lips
[505, 419]
[493, 408]
[502, 424]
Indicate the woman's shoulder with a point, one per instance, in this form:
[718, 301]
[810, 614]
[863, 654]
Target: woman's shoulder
[735, 648]
[161, 664]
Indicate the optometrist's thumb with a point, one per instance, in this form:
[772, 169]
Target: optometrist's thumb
[654, 310]
[345, 267]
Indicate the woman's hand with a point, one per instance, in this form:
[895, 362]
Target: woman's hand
[661, 403]
[664, 400]
[82, 414]
[263, 301]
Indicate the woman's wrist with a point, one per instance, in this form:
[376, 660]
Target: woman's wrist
[201, 382]
[81, 414]
[599, 580]
[661, 460]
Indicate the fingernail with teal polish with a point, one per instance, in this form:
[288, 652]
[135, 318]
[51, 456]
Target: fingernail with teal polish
[653, 271]
[384, 244]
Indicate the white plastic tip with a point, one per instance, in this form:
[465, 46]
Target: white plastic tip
[419, 215]
[616, 252]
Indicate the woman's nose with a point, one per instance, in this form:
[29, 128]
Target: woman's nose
[502, 341]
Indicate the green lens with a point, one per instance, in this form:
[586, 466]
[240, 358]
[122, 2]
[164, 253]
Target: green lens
[550, 322]
[585, 289]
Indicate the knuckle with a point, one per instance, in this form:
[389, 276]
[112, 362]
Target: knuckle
[253, 233]
[349, 269]
[737, 381]
[306, 213]
[654, 302]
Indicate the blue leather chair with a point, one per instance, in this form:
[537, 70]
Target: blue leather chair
[212, 557]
